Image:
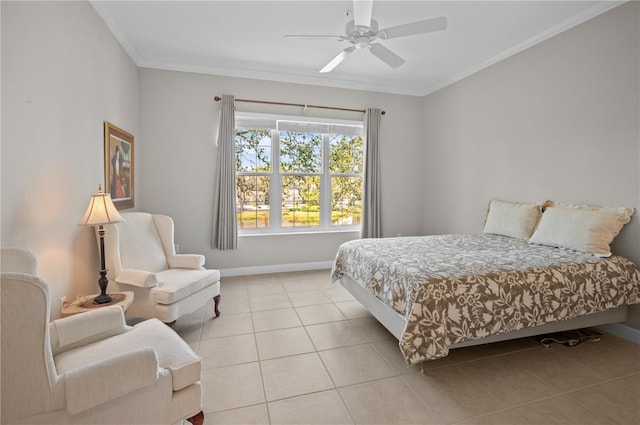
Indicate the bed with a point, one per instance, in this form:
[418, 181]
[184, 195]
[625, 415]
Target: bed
[439, 292]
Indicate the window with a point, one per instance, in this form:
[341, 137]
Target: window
[298, 174]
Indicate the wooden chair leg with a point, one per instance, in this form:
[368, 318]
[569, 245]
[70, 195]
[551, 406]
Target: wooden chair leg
[216, 301]
[197, 419]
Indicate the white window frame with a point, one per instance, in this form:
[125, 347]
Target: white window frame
[275, 185]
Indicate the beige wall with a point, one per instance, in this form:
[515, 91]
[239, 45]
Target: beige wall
[559, 121]
[63, 74]
[178, 119]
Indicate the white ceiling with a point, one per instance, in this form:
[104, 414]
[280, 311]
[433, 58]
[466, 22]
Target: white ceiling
[245, 38]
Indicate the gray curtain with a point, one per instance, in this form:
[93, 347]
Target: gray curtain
[371, 202]
[225, 229]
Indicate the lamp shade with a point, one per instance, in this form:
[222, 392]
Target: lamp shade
[101, 210]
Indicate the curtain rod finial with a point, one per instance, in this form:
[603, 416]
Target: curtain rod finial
[217, 98]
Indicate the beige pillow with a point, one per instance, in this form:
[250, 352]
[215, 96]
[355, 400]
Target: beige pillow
[583, 228]
[514, 219]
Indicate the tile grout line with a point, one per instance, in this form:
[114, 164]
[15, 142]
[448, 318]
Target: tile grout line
[550, 397]
[255, 341]
[336, 388]
[589, 408]
[260, 360]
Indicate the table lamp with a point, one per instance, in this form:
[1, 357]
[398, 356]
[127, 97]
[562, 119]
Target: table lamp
[101, 211]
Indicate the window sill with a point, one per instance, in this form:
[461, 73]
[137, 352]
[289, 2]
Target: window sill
[319, 232]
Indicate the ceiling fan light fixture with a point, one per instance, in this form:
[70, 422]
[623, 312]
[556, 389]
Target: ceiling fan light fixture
[361, 42]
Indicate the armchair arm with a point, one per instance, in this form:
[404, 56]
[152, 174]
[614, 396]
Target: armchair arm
[186, 261]
[100, 382]
[85, 328]
[135, 277]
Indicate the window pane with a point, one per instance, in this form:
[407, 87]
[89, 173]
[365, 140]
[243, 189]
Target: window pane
[300, 201]
[346, 200]
[300, 152]
[253, 149]
[345, 154]
[253, 201]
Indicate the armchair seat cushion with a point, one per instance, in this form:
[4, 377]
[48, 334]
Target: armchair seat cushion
[176, 284]
[173, 353]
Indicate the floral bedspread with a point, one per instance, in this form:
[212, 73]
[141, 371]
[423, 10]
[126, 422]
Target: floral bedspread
[455, 288]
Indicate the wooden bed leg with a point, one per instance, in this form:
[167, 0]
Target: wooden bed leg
[216, 301]
[197, 419]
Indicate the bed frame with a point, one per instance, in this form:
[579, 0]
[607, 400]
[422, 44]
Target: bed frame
[395, 323]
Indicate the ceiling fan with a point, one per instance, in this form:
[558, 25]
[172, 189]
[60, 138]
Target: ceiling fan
[362, 32]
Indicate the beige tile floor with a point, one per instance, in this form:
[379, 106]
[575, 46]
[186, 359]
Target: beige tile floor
[293, 348]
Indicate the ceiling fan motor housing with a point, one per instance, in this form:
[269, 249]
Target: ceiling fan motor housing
[361, 36]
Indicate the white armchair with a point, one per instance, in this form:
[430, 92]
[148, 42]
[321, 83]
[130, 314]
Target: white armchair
[90, 368]
[140, 257]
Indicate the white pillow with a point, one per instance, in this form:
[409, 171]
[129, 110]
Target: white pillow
[583, 228]
[514, 219]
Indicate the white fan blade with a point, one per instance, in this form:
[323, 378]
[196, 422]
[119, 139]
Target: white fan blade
[336, 61]
[420, 27]
[315, 36]
[386, 55]
[362, 10]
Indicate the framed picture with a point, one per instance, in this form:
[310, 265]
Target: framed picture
[118, 166]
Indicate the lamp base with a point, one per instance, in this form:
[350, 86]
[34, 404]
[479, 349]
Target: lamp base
[103, 299]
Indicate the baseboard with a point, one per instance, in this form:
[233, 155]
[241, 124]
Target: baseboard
[622, 331]
[276, 268]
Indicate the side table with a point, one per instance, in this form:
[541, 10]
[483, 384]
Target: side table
[84, 304]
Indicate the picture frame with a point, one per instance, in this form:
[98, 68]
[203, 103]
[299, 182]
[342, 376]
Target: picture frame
[119, 177]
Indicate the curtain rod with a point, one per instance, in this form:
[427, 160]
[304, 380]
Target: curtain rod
[266, 102]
